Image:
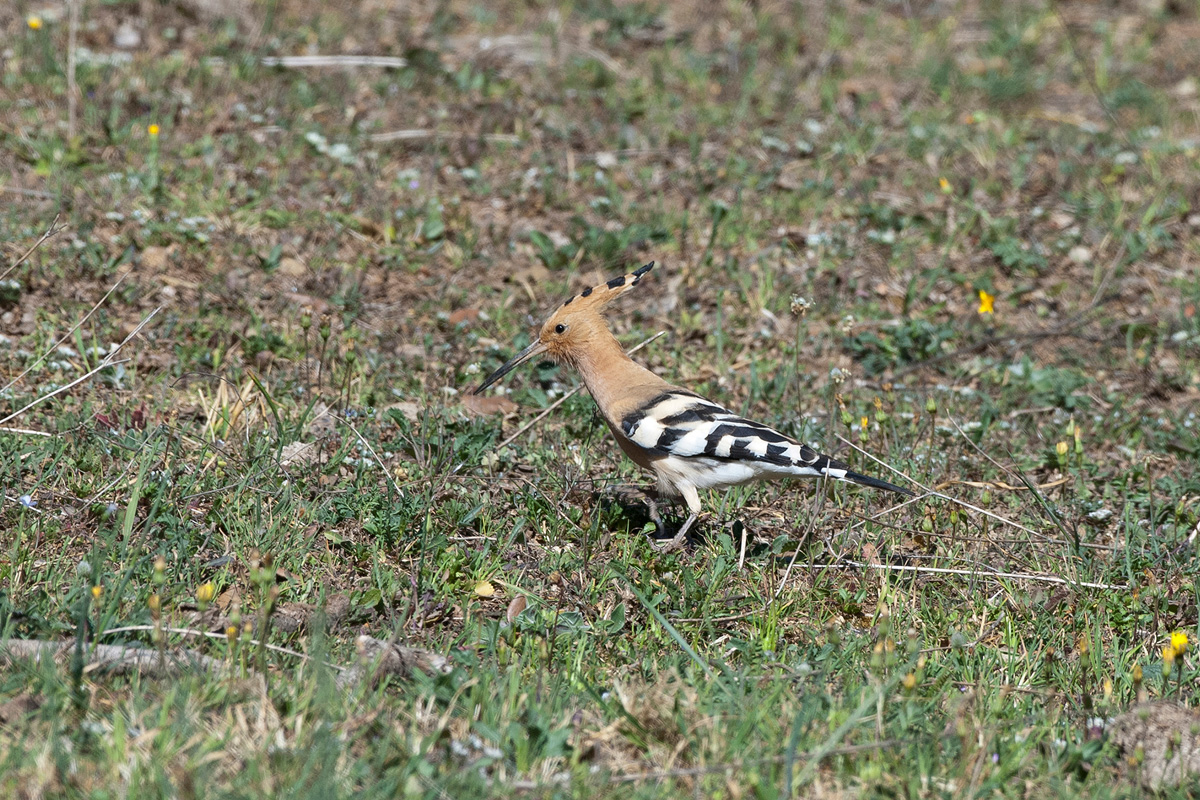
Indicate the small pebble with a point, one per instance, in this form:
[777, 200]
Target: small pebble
[127, 37]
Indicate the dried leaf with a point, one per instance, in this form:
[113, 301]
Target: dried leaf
[515, 607]
[485, 589]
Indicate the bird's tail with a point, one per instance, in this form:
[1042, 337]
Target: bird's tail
[806, 461]
[875, 483]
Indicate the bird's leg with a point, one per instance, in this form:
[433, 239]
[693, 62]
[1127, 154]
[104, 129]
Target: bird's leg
[655, 517]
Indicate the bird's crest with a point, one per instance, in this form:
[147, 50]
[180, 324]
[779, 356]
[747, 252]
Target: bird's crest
[575, 327]
[597, 297]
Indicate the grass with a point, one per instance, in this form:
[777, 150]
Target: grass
[308, 285]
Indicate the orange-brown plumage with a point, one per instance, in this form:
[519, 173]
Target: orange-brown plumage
[688, 442]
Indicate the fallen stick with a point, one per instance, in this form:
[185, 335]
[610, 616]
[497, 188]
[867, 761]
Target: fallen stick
[301, 62]
[114, 659]
[417, 134]
[377, 659]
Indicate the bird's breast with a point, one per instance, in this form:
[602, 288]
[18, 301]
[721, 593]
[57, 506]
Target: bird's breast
[638, 454]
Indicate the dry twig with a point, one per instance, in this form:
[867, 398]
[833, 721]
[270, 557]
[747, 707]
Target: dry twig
[109, 360]
[112, 658]
[303, 62]
[51, 231]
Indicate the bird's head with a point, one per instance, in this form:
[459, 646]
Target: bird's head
[573, 327]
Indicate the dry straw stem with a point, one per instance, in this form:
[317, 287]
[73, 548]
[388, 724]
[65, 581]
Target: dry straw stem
[232, 401]
[220, 637]
[109, 360]
[67, 335]
[932, 493]
[24, 432]
[1028, 486]
[976, 573]
[819, 504]
[51, 231]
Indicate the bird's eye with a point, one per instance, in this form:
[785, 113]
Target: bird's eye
[560, 328]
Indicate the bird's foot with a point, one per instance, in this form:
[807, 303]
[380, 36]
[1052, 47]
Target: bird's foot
[678, 541]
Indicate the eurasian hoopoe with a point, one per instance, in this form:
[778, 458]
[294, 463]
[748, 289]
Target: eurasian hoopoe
[688, 442]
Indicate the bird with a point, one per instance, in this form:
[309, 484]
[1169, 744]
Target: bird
[688, 442]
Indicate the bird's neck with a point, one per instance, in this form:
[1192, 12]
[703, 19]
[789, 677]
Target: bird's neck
[612, 377]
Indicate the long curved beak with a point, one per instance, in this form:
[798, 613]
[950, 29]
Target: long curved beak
[535, 349]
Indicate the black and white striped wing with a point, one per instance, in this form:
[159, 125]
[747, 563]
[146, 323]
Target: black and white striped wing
[686, 426]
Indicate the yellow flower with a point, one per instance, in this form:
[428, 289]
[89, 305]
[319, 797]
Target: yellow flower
[944, 185]
[863, 423]
[1179, 642]
[152, 129]
[1168, 656]
[34, 22]
[97, 592]
[205, 592]
[986, 302]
